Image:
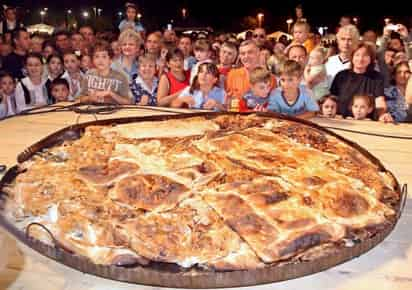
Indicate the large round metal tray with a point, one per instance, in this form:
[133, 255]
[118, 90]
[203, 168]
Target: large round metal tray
[160, 274]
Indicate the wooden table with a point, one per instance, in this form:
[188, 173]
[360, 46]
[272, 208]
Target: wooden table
[386, 267]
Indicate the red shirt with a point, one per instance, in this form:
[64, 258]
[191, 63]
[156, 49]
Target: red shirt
[175, 85]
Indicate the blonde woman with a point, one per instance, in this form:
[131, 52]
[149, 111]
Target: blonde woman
[129, 42]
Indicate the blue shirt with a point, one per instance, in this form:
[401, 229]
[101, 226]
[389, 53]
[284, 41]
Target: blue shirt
[118, 65]
[396, 103]
[139, 89]
[137, 26]
[252, 101]
[217, 94]
[303, 103]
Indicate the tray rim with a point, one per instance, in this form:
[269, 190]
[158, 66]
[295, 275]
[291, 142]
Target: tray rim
[194, 278]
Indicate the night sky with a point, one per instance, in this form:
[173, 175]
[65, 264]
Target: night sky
[227, 15]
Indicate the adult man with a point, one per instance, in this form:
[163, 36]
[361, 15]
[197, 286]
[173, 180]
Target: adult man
[10, 23]
[185, 45]
[259, 36]
[88, 33]
[14, 62]
[169, 36]
[237, 83]
[348, 38]
[153, 44]
[63, 43]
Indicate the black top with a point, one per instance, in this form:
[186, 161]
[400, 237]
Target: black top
[14, 63]
[347, 84]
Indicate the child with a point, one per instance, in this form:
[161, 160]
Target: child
[260, 86]
[361, 106]
[74, 75]
[129, 22]
[103, 84]
[60, 90]
[203, 51]
[204, 92]
[175, 80]
[144, 86]
[289, 99]
[300, 33]
[315, 71]
[85, 63]
[227, 58]
[328, 106]
[7, 94]
[54, 71]
[31, 91]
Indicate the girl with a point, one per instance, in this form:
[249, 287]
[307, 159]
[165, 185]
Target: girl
[395, 95]
[85, 63]
[74, 74]
[129, 42]
[31, 91]
[55, 70]
[204, 92]
[173, 82]
[144, 86]
[328, 105]
[362, 106]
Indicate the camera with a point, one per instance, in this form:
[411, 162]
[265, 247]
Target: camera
[393, 27]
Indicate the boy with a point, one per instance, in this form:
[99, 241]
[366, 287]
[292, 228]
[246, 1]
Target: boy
[260, 86]
[361, 106]
[103, 84]
[290, 99]
[203, 51]
[60, 90]
[129, 22]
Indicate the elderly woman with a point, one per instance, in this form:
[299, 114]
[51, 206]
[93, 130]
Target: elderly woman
[395, 95]
[361, 79]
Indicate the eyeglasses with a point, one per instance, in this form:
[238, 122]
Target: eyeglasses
[258, 35]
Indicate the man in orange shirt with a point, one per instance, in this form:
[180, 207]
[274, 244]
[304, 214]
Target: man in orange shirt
[237, 82]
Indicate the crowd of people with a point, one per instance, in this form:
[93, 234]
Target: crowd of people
[357, 76]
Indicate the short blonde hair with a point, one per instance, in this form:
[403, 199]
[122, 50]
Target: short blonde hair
[353, 32]
[260, 74]
[147, 58]
[291, 67]
[301, 24]
[320, 50]
[130, 34]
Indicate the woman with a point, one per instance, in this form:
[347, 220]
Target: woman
[172, 83]
[395, 95]
[129, 42]
[31, 91]
[361, 79]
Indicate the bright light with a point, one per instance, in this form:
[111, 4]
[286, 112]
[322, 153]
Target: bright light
[69, 11]
[42, 12]
[99, 10]
[85, 14]
[289, 21]
[355, 19]
[387, 20]
[139, 16]
[120, 13]
[46, 9]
